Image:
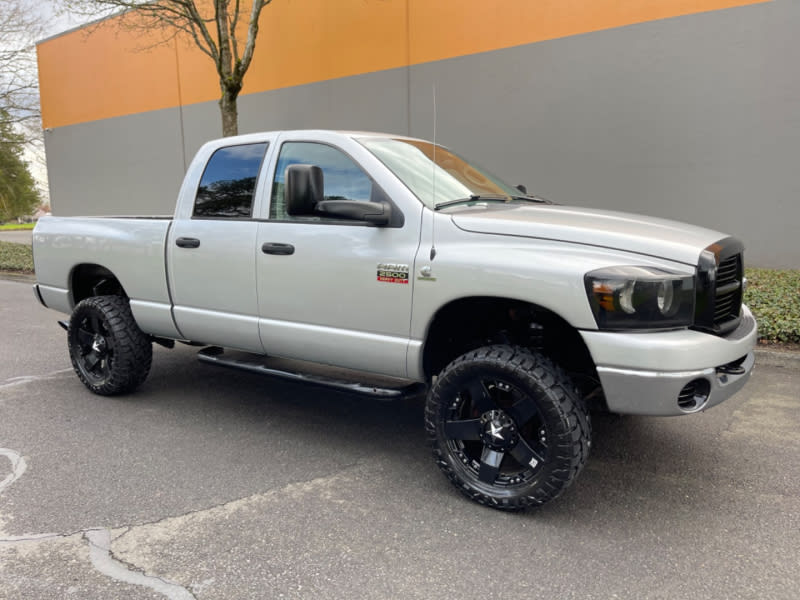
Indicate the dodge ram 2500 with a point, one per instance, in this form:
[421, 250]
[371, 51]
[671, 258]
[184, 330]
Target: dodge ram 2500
[388, 256]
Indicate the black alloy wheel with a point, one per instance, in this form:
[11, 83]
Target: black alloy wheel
[109, 352]
[507, 427]
[95, 351]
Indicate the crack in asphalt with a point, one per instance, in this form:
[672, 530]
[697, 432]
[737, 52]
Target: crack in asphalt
[100, 540]
[236, 501]
[127, 528]
[36, 537]
[106, 563]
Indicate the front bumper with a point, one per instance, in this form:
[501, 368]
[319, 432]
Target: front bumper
[650, 373]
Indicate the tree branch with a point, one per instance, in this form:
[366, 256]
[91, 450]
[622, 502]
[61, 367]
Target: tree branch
[220, 41]
[252, 34]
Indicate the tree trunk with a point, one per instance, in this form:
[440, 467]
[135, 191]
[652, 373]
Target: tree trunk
[230, 113]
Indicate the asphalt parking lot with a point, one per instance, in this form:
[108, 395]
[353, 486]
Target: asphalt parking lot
[215, 484]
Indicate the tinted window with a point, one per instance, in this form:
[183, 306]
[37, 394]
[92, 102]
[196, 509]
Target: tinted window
[343, 178]
[227, 186]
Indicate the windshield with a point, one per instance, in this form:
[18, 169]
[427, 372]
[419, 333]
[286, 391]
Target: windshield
[454, 178]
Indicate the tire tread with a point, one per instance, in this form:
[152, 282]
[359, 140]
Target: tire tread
[572, 450]
[133, 351]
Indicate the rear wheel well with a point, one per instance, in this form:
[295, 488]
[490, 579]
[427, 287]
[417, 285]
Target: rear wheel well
[471, 323]
[89, 280]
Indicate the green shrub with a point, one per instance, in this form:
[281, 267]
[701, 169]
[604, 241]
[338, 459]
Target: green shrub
[16, 257]
[774, 298]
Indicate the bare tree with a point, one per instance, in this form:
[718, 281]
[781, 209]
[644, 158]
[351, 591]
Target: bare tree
[19, 94]
[215, 26]
[20, 123]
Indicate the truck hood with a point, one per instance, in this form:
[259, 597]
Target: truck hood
[621, 231]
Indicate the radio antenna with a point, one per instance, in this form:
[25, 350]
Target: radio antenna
[433, 207]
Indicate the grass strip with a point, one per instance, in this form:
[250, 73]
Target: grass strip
[17, 226]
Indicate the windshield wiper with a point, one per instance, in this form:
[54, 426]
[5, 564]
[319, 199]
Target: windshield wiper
[473, 198]
[533, 198]
[490, 198]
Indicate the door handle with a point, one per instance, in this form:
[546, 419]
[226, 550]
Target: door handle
[276, 248]
[187, 242]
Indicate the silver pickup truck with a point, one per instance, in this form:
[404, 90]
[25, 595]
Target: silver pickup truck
[389, 256]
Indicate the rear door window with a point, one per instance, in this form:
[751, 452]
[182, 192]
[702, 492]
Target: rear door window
[228, 184]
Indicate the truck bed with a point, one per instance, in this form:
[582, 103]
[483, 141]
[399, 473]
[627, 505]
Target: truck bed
[131, 247]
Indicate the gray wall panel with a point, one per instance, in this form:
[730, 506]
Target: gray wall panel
[370, 102]
[130, 165]
[201, 123]
[695, 118]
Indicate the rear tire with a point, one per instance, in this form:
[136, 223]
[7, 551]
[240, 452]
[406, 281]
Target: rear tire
[507, 427]
[109, 352]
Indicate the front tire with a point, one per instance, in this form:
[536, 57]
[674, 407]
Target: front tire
[109, 352]
[507, 427]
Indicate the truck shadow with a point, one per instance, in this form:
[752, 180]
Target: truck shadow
[633, 459]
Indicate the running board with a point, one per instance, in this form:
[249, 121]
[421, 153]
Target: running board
[215, 355]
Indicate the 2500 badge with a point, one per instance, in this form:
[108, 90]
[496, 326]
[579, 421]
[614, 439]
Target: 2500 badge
[392, 273]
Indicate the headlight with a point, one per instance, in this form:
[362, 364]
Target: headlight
[640, 298]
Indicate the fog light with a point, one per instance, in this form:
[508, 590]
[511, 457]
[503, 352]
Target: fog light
[694, 395]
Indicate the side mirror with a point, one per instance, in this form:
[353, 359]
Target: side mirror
[522, 189]
[304, 194]
[374, 213]
[304, 189]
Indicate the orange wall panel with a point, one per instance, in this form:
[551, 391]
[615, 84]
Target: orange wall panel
[101, 71]
[449, 28]
[325, 40]
[303, 42]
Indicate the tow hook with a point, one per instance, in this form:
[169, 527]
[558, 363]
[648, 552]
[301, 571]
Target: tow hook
[734, 368]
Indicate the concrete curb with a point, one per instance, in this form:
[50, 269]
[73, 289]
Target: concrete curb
[21, 277]
[784, 359]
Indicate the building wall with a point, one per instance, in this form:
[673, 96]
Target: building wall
[691, 112]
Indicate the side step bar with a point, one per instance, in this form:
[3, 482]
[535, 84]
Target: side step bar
[215, 355]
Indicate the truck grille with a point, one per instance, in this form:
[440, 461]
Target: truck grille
[728, 298]
[720, 288]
